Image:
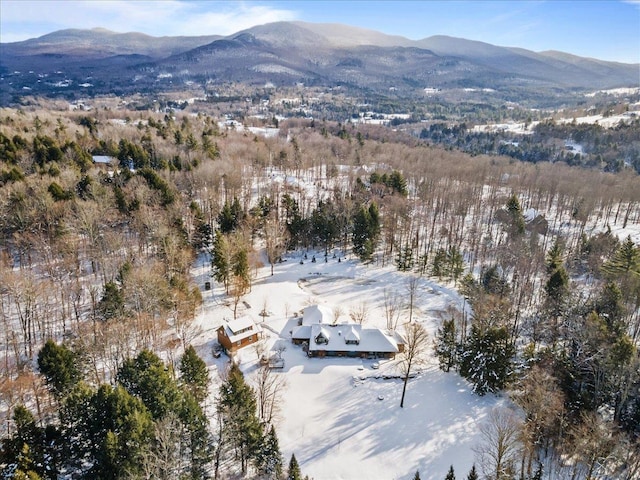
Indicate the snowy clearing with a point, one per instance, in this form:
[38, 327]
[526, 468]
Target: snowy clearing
[341, 416]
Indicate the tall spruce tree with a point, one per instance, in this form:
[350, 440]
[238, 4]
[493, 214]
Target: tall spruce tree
[625, 259]
[439, 264]
[237, 406]
[221, 259]
[516, 225]
[269, 460]
[24, 449]
[114, 431]
[486, 359]
[366, 231]
[445, 345]
[455, 262]
[450, 474]
[148, 378]
[473, 474]
[230, 216]
[293, 473]
[194, 374]
[324, 225]
[60, 367]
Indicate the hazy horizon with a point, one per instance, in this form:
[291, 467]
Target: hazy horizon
[606, 30]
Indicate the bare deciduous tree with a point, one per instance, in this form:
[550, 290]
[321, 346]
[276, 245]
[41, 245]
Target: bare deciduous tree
[594, 442]
[162, 459]
[269, 388]
[392, 308]
[337, 313]
[274, 238]
[413, 293]
[359, 313]
[415, 349]
[500, 446]
[542, 400]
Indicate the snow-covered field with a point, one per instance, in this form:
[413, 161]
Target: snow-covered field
[339, 416]
[528, 128]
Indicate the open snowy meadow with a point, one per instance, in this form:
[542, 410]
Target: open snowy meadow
[341, 416]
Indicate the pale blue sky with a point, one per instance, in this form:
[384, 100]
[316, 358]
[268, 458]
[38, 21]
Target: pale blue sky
[604, 29]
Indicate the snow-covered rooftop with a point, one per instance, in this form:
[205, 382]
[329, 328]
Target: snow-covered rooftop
[241, 328]
[369, 339]
[315, 314]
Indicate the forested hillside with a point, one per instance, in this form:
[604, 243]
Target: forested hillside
[97, 298]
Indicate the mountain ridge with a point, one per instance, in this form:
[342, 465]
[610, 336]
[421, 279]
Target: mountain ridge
[286, 53]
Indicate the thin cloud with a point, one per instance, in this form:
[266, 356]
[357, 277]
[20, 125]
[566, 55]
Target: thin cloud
[26, 19]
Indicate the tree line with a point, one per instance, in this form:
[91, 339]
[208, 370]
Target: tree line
[151, 423]
[103, 255]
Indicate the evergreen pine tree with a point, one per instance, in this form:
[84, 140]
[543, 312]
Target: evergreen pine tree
[417, 475]
[439, 265]
[241, 274]
[202, 229]
[404, 259]
[557, 285]
[111, 305]
[194, 373]
[610, 305]
[554, 257]
[269, 461]
[486, 359]
[237, 404]
[230, 216]
[493, 282]
[225, 219]
[455, 262]
[473, 474]
[517, 224]
[60, 367]
[324, 225]
[445, 345]
[147, 378]
[107, 431]
[294, 469]
[450, 474]
[195, 437]
[625, 259]
[221, 260]
[366, 231]
[398, 183]
[25, 448]
[237, 213]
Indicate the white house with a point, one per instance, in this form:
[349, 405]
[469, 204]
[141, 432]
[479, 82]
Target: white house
[323, 338]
